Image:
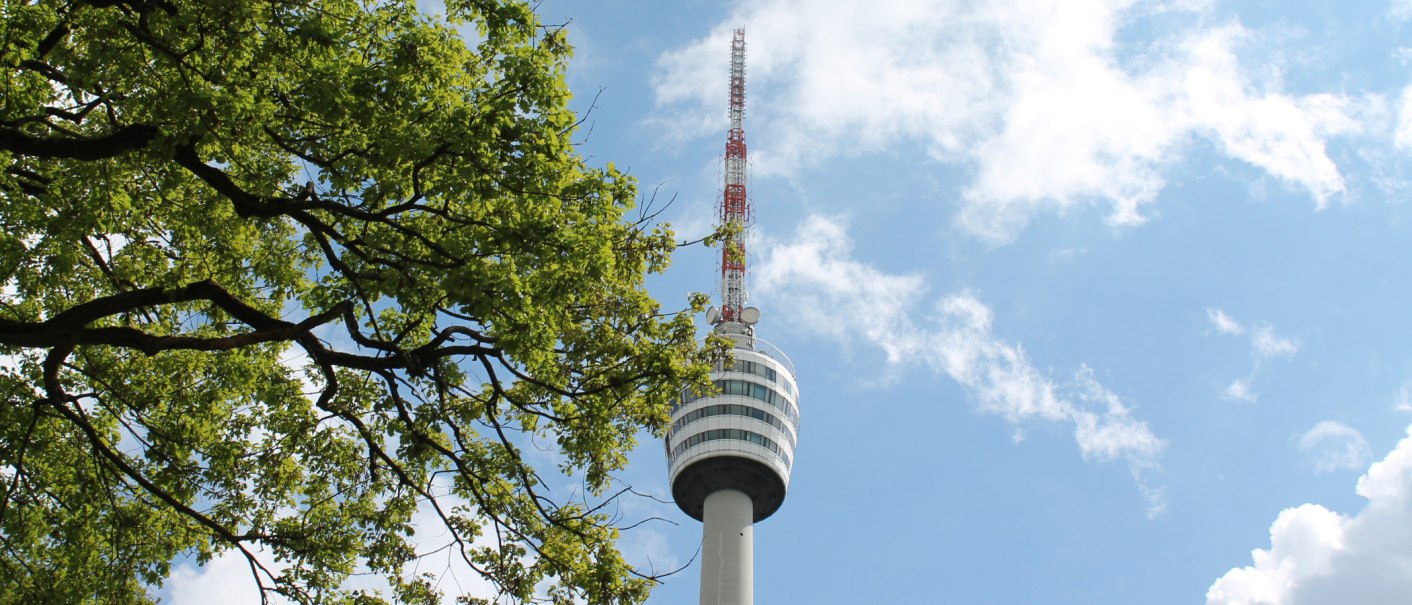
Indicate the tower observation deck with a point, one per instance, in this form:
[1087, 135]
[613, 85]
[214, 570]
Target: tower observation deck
[743, 436]
[729, 453]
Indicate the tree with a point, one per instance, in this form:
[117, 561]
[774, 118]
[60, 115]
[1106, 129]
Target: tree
[279, 274]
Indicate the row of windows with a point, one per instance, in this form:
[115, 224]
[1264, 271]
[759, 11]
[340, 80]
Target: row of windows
[760, 369]
[734, 410]
[749, 389]
[736, 434]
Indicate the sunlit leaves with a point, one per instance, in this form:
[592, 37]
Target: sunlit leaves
[279, 276]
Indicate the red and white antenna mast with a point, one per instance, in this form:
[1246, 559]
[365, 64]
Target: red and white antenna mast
[735, 206]
[731, 478]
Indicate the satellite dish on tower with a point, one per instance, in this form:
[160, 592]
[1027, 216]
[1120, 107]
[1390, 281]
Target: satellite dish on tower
[713, 315]
[750, 316]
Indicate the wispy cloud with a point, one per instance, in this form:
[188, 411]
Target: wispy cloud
[1223, 323]
[1265, 345]
[815, 275]
[1269, 345]
[1402, 135]
[1331, 446]
[1400, 10]
[1239, 390]
[1317, 555]
[874, 302]
[1043, 100]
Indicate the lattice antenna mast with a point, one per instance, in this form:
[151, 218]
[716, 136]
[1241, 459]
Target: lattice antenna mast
[735, 206]
[729, 452]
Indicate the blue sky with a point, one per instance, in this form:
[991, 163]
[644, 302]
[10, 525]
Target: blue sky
[1092, 301]
[1087, 298]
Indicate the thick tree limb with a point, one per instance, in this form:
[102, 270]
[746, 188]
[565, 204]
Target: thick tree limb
[125, 139]
[71, 327]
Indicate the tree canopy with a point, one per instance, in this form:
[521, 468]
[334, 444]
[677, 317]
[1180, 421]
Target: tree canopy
[278, 275]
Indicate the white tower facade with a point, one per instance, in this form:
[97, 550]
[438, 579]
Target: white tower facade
[729, 454]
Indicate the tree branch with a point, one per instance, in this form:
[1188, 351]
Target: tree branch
[125, 139]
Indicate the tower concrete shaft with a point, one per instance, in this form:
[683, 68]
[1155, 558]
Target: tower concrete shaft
[728, 550]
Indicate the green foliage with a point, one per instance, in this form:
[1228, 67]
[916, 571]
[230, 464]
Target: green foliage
[279, 274]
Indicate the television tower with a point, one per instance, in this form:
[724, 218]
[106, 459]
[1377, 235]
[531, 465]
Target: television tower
[729, 454]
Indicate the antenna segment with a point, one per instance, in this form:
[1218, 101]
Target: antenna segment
[735, 206]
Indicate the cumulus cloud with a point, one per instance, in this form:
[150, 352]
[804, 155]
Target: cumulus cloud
[1332, 446]
[225, 579]
[1043, 101]
[1265, 345]
[1321, 557]
[815, 275]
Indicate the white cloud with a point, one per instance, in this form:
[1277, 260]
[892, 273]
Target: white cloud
[874, 302]
[815, 275]
[1223, 323]
[1402, 136]
[1332, 446]
[1303, 540]
[1404, 398]
[1400, 10]
[1320, 557]
[1239, 390]
[225, 579]
[438, 554]
[1265, 345]
[1039, 97]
